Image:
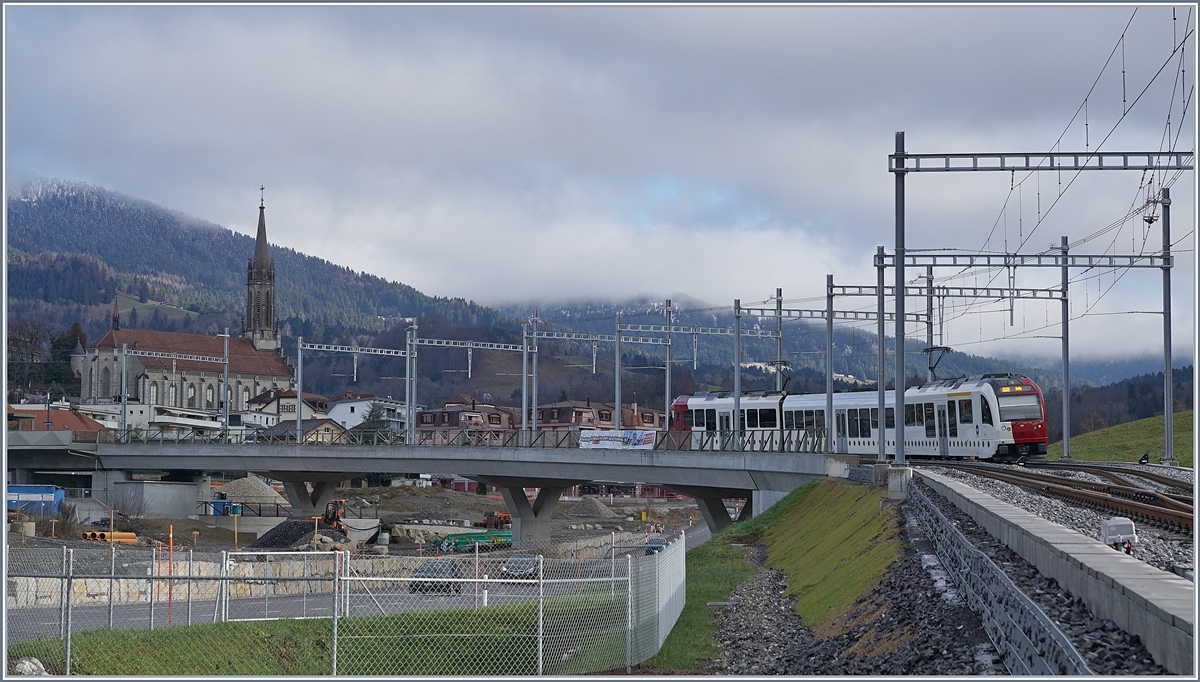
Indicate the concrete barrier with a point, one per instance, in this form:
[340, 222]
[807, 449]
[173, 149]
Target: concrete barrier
[1157, 606]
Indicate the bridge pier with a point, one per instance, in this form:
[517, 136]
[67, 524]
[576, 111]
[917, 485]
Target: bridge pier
[530, 521]
[305, 503]
[712, 504]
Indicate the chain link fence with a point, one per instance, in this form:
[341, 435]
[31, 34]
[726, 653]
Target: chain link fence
[128, 611]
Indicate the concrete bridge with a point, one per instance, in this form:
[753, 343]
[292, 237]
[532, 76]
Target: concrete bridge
[762, 478]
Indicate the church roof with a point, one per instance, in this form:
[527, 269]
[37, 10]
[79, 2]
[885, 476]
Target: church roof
[243, 358]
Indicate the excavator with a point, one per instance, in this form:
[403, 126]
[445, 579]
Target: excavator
[334, 511]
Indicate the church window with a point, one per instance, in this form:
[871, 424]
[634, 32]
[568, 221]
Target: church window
[154, 393]
[191, 395]
[208, 397]
[245, 397]
[105, 383]
[173, 395]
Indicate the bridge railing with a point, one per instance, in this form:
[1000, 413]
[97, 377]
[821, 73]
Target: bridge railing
[750, 440]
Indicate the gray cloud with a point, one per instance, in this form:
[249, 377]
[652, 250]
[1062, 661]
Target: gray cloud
[506, 153]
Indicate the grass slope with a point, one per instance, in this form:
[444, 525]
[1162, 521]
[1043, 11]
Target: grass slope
[1126, 442]
[828, 537]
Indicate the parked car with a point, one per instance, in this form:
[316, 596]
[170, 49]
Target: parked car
[655, 545]
[437, 574]
[521, 565]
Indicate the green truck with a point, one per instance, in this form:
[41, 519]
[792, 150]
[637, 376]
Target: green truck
[492, 539]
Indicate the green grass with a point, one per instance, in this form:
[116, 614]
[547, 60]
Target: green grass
[1127, 442]
[827, 537]
[500, 640]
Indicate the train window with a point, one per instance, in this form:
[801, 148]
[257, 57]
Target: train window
[710, 420]
[841, 424]
[930, 428]
[852, 418]
[864, 423]
[953, 420]
[820, 419]
[751, 417]
[964, 411]
[808, 420]
[910, 417]
[789, 420]
[766, 419]
[875, 417]
[889, 419]
[688, 419]
[985, 411]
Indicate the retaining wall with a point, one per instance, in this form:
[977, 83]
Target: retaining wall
[1157, 606]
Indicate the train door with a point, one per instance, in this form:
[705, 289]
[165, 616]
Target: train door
[840, 416]
[725, 424]
[943, 441]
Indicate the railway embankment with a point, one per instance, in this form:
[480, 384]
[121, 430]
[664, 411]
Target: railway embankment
[1134, 597]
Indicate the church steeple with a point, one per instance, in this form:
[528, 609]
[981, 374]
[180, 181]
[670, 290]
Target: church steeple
[260, 289]
[116, 321]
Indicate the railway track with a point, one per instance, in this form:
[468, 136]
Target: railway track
[1166, 511]
[1117, 473]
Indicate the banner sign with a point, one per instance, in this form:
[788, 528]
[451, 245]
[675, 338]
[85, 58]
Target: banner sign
[617, 440]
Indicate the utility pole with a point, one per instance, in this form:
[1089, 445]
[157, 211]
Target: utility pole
[533, 412]
[737, 373]
[829, 422]
[900, 300]
[779, 340]
[617, 374]
[525, 382]
[929, 318]
[124, 392]
[1168, 379]
[225, 381]
[880, 379]
[1066, 353]
[667, 390]
[299, 390]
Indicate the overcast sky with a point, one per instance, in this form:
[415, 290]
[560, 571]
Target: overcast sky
[506, 154]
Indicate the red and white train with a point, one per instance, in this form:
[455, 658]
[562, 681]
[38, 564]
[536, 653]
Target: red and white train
[993, 416]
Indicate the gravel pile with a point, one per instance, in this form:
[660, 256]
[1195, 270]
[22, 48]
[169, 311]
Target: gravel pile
[295, 533]
[251, 490]
[902, 627]
[1107, 649]
[1161, 549]
[590, 507]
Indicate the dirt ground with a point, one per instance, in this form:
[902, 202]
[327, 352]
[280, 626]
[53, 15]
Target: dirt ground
[392, 505]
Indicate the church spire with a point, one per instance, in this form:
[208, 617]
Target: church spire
[116, 321]
[259, 322]
[260, 242]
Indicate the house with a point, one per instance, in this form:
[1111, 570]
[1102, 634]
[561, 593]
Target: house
[283, 403]
[350, 409]
[463, 412]
[587, 415]
[318, 431]
[60, 420]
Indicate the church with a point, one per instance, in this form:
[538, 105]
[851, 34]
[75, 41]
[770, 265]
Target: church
[185, 371]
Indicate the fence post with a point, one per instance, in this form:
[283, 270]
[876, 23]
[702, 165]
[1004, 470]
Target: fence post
[190, 586]
[304, 589]
[612, 582]
[336, 574]
[62, 602]
[541, 584]
[70, 587]
[628, 614]
[476, 574]
[153, 583]
[112, 573]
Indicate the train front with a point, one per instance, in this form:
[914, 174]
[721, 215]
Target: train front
[1022, 418]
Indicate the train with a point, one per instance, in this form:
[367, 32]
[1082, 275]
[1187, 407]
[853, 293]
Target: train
[991, 416]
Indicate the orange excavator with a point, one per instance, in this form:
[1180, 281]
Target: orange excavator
[334, 511]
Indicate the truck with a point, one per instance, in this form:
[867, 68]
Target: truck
[496, 520]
